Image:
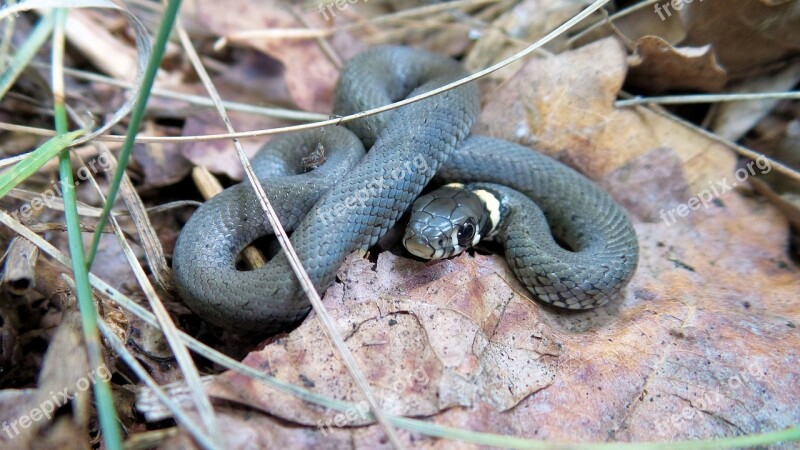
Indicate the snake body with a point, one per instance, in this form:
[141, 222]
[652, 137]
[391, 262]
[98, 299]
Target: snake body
[540, 198]
[337, 209]
[270, 297]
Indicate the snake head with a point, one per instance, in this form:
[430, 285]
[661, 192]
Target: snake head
[444, 223]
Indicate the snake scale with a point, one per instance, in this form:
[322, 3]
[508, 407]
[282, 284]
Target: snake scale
[351, 200]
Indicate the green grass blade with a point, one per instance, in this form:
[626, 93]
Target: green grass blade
[35, 160]
[496, 440]
[26, 53]
[107, 415]
[109, 426]
[164, 30]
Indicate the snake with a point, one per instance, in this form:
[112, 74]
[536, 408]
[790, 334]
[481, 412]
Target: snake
[335, 199]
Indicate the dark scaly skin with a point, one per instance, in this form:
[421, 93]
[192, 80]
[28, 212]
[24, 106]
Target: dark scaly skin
[270, 298]
[557, 201]
[206, 250]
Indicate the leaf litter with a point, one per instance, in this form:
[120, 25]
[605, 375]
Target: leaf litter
[702, 344]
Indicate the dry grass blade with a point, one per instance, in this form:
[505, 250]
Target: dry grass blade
[744, 151]
[166, 324]
[339, 120]
[283, 238]
[108, 291]
[631, 9]
[119, 347]
[707, 98]
[281, 113]
[305, 33]
[154, 252]
[142, 45]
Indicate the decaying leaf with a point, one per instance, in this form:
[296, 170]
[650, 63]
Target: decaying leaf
[746, 35]
[733, 120]
[430, 337]
[688, 353]
[564, 106]
[659, 67]
[702, 45]
[310, 75]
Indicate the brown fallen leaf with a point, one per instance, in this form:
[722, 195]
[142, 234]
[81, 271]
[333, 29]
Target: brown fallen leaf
[564, 106]
[56, 414]
[525, 23]
[732, 120]
[634, 23]
[703, 345]
[648, 184]
[15, 403]
[747, 35]
[658, 67]
[737, 39]
[310, 75]
[245, 430]
[430, 337]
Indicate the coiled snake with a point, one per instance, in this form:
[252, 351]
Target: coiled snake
[351, 200]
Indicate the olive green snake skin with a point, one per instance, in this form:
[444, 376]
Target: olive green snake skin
[350, 201]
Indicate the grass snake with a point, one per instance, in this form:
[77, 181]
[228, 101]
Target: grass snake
[352, 199]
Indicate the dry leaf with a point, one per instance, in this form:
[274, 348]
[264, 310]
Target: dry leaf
[429, 337]
[635, 23]
[648, 184]
[564, 107]
[310, 76]
[524, 22]
[688, 353]
[658, 67]
[732, 120]
[746, 35]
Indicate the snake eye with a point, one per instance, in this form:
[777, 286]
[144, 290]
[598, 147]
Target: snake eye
[465, 233]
